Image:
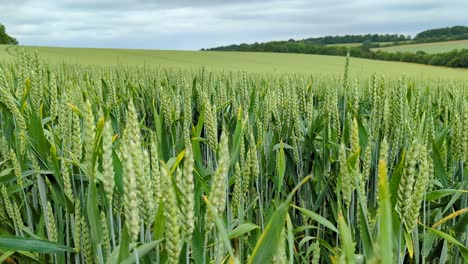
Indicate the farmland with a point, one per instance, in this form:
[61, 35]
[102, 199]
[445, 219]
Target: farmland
[433, 47]
[345, 44]
[382, 44]
[235, 61]
[109, 160]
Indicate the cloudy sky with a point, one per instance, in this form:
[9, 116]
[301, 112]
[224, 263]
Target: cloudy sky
[191, 25]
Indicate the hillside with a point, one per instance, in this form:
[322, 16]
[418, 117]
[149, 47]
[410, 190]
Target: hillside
[443, 34]
[379, 44]
[238, 61]
[431, 35]
[349, 44]
[431, 48]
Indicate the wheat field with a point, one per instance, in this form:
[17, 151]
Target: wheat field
[223, 62]
[126, 164]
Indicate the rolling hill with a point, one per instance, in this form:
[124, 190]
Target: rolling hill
[432, 48]
[237, 61]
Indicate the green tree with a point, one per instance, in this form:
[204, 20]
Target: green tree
[5, 38]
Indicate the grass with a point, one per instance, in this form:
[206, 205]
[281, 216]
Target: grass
[240, 61]
[435, 47]
[384, 43]
[345, 45]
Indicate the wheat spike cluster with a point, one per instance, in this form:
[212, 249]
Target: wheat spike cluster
[161, 165]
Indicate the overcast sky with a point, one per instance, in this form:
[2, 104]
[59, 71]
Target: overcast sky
[191, 24]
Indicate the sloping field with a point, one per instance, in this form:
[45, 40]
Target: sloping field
[382, 44]
[436, 47]
[345, 45]
[251, 62]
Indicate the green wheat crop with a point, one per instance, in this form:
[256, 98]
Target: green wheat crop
[159, 165]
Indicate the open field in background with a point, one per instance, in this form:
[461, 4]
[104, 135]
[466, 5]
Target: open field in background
[345, 45]
[359, 44]
[435, 47]
[238, 61]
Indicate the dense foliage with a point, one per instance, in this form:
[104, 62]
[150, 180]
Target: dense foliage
[441, 34]
[454, 58]
[317, 42]
[358, 38]
[5, 38]
[154, 165]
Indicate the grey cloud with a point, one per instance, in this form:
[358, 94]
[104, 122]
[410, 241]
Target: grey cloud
[106, 5]
[185, 24]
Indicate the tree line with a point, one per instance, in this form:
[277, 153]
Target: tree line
[443, 34]
[455, 58]
[431, 35]
[357, 39]
[5, 38]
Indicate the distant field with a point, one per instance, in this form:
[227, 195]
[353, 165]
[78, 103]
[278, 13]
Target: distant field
[344, 45]
[387, 43]
[436, 47]
[251, 62]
